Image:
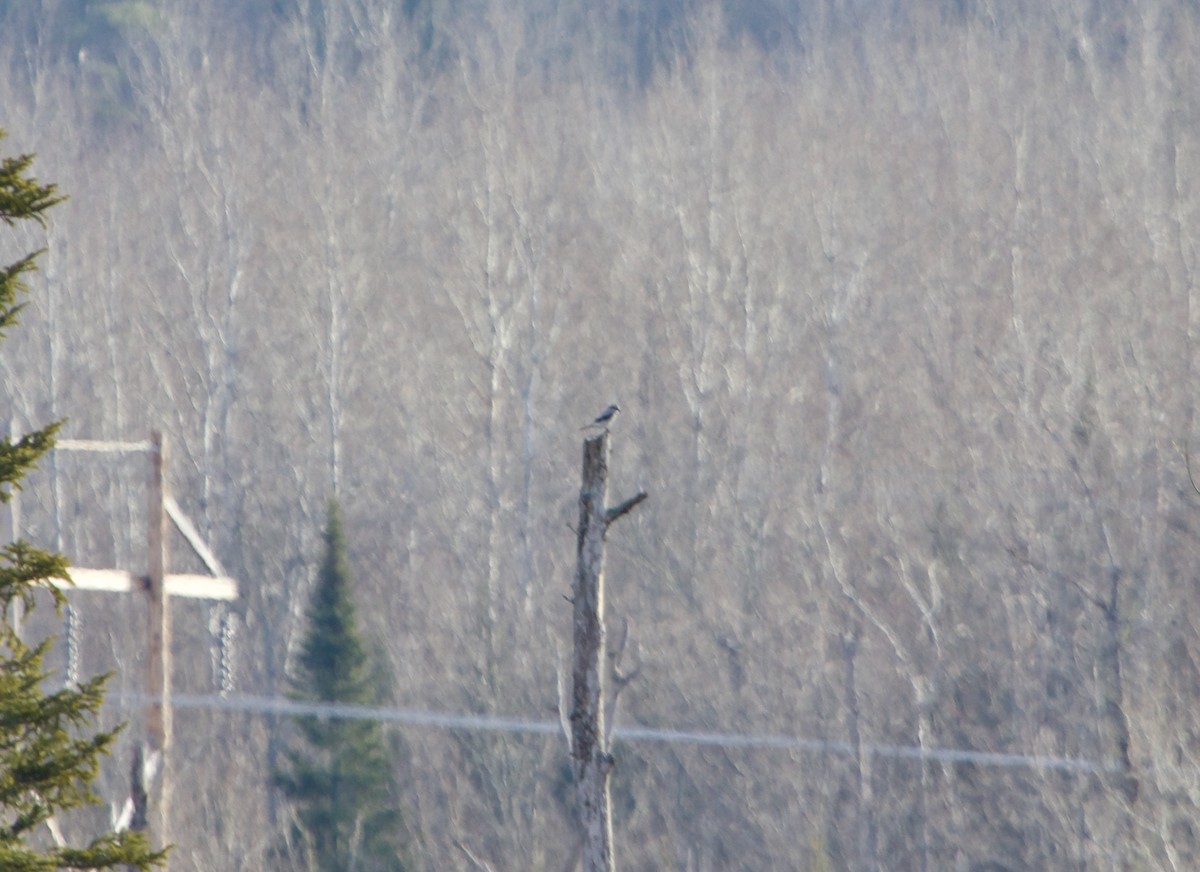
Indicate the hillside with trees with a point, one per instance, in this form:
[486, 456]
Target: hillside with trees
[896, 299]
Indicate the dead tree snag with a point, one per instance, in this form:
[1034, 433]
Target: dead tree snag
[591, 760]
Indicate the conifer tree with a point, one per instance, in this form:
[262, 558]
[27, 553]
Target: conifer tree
[338, 775]
[48, 760]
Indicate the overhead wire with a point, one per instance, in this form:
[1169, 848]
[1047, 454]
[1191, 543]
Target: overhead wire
[262, 705]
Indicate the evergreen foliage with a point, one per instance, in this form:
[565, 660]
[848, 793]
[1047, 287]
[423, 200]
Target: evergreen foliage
[48, 761]
[338, 775]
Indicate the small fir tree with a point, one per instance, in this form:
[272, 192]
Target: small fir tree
[48, 761]
[338, 772]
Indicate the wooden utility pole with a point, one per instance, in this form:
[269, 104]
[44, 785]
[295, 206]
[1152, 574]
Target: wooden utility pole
[149, 782]
[158, 628]
[590, 757]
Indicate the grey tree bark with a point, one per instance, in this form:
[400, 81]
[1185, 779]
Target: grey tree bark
[591, 760]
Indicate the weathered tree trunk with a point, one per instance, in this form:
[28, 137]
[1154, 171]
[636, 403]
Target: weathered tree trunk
[590, 756]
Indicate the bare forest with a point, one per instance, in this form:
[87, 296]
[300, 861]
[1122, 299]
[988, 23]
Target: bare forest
[897, 303]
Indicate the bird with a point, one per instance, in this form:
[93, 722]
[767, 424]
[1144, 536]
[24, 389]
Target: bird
[604, 418]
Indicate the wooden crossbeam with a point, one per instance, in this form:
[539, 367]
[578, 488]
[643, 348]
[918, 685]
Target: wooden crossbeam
[104, 446]
[177, 584]
[217, 587]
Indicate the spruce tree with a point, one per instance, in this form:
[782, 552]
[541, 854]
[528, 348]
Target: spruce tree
[48, 759]
[338, 776]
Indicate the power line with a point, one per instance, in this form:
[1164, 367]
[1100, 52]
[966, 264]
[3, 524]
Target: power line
[259, 705]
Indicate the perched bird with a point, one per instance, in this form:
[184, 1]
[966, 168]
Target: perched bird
[604, 418]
